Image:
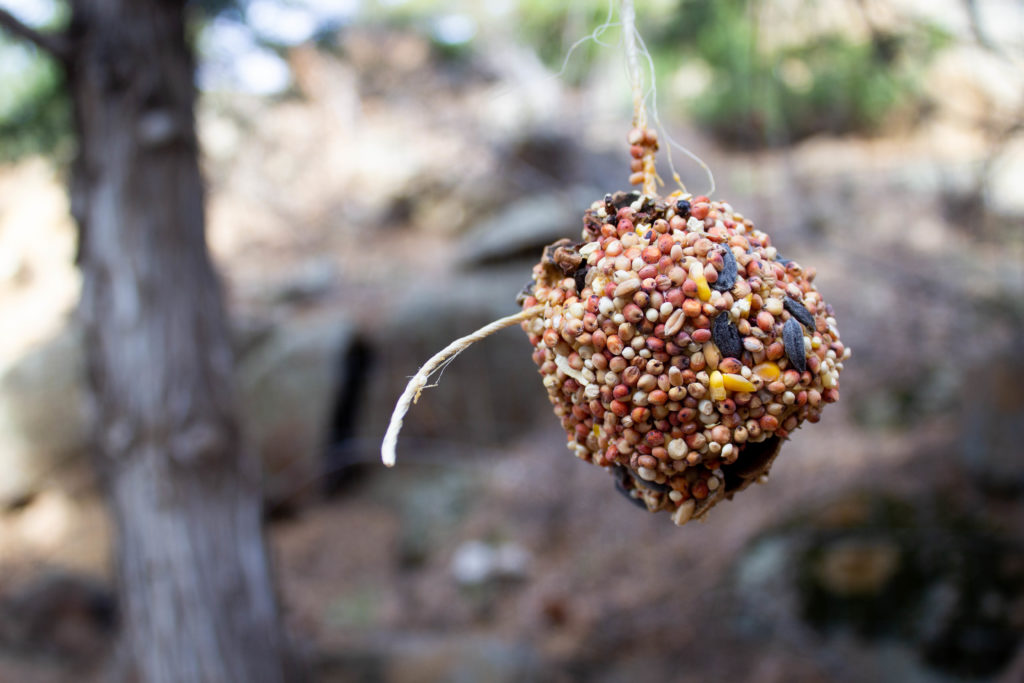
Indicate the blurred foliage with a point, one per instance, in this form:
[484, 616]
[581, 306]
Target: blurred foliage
[833, 82]
[830, 83]
[35, 115]
[751, 94]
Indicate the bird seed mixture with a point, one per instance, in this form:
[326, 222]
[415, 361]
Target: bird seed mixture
[679, 348]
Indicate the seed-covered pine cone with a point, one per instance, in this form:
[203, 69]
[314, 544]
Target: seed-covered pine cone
[678, 348]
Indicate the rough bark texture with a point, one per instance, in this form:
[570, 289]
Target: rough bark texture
[194, 585]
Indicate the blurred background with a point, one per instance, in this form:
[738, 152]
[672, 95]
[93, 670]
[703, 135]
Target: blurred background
[381, 176]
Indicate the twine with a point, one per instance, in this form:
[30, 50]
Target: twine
[419, 381]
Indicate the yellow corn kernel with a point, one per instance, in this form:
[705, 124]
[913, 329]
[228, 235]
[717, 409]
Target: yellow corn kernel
[768, 371]
[737, 383]
[697, 275]
[717, 385]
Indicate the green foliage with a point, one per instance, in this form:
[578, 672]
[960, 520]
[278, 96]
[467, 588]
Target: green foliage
[831, 83]
[35, 113]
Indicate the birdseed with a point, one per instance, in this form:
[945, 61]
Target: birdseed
[793, 339]
[669, 358]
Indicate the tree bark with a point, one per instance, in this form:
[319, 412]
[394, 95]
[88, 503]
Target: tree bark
[195, 591]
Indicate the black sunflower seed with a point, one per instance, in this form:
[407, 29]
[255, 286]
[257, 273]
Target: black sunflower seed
[797, 310]
[621, 476]
[727, 278]
[580, 276]
[726, 336]
[629, 496]
[793, 339]
[683, 208]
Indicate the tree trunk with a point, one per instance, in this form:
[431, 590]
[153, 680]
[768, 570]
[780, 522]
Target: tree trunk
[196, 597]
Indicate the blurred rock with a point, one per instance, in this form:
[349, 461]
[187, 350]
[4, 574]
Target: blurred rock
[41, 409]
[38, 280]
[525, 227]
[1004, 183]
[289, 383]
[523, 95]
[65, 527]
[992, 428]
[488, 394]
[289, 375]
[476, 562]
[307, 283]
[986, 82]
[42, 415]
[249, 331]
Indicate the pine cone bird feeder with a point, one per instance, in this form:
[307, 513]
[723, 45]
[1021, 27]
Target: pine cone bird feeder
[678, 348]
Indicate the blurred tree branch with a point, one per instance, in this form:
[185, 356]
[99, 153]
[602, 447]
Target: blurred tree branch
[974, 17]
[54, 44]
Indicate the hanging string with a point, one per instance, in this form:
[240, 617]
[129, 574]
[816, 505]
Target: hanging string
[643, 142]
[644, 172]
[627, 14]
[594, 35]
[419, 381]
